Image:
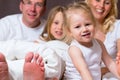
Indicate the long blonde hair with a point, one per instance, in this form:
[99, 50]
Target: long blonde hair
[110, 18]
[46, 34]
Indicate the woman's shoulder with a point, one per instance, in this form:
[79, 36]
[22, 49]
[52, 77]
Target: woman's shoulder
[117, 25]
[117, 22]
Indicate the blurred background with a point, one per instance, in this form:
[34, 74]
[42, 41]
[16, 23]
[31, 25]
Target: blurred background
[8, 7]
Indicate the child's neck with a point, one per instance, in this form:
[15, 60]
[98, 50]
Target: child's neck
[90, 44]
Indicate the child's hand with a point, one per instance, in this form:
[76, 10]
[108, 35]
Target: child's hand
[118, 62]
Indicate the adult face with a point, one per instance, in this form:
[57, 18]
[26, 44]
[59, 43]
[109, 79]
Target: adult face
[100, 8]
[32, 10]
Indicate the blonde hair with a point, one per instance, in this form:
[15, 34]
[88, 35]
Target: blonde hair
[110, 18]
[46, 34]
[71, 9]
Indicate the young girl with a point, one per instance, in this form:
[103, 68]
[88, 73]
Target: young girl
[85, 53]
[50, 51]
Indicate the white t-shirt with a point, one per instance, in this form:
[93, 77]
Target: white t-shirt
[12, 27]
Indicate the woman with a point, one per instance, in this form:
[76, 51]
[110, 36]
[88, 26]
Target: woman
[108, 29]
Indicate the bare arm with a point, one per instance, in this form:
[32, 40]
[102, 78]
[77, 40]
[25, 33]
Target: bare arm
[118, 45]
[79, 63]
[118, 62]
[108, 61]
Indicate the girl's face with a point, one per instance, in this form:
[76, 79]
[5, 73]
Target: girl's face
[100, 8]
[82, 27]
[56, 27]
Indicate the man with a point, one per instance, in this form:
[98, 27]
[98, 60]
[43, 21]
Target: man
[26, 26]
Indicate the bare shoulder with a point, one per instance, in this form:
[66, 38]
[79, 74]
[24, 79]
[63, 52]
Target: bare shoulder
[74, 50]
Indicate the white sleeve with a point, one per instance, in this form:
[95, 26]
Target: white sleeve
[117, 29]
[52, 63]
[56, 51]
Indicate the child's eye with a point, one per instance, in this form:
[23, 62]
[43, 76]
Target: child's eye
[77, 26]
[98, 0]
[87, 24]
[56, 22]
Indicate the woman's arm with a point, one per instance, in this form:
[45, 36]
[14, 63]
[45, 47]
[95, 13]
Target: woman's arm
[118, 45]
[108, 61]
